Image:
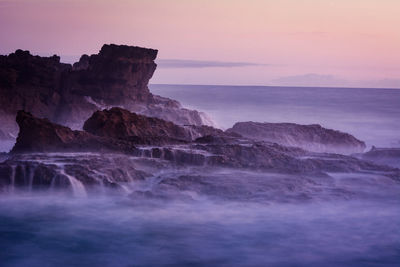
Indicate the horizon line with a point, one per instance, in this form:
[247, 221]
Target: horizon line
[281, 86]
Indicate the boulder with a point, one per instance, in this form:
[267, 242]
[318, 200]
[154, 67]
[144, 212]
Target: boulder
[309, 137]
[122, 124]
[41, 135]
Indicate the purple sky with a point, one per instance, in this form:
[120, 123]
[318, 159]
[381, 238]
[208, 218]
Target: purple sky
[285, 42]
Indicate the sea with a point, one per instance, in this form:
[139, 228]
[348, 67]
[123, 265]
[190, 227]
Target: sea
[40, 229]
[371, 115]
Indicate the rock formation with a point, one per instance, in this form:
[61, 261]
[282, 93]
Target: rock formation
[309, 137]
[65, 94]
[116, 159]
[121, 124]
[132, 135]
[40, 135]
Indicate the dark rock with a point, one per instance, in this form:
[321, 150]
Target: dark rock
[115, 131]
[3, 156]
[31, 83]
[310, 137]
[80, 172]
[122, 124]
[40, 135]
[65, 94]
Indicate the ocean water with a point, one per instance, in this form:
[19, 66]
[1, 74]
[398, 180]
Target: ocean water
[372, 115]
[37, 230]
[353, 220]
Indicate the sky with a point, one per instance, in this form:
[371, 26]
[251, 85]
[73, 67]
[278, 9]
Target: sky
[242, 42]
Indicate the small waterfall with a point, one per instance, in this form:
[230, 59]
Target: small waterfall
[77, 187]
[53, 181]
[99, 177]
[31, 172]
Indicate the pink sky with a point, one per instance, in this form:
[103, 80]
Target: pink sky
[317, 42]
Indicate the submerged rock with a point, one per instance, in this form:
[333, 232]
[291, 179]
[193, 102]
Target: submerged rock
[309, 137]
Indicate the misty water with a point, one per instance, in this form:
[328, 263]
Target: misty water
[372, 115]
[43, 230]
[231, 217]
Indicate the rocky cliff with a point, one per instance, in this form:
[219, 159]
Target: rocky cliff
[309, 137]
[117, 76]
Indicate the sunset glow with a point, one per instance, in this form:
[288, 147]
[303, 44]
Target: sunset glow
[357, 41]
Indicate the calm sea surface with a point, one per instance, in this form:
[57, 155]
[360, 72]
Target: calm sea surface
[372, 115]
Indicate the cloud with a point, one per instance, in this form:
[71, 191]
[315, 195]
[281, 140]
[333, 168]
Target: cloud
[185, 63]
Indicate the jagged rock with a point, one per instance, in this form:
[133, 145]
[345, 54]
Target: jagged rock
[122, 124]
[31, 83]
[40, 135]
[65, 94]
[310, 137]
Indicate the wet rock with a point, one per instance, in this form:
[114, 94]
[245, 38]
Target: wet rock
[40, 135]
[122, 124]
[79, 172]
[310, 137]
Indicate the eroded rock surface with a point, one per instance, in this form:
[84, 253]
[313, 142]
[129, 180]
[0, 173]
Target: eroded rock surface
[122, 124]
[310, 137]
[126, 148]
[41, 135]
[117, 76]
[79, 172]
